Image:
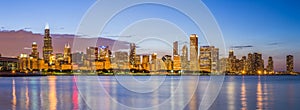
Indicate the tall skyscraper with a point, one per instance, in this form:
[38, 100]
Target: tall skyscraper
[209, 56]
[232, 64]
[255, 63]
[270, 66]
[184, 58]
[175, 48]
[132, 54]
[290, 64]
[34, 52]
[67, 54]
[176, 63]
[47, 49]
[194, 62]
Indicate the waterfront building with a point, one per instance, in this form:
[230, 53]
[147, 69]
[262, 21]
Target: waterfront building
[209, 56]
[34, 52]
[121, 60]
[24, 63]
[255, 64]
[223, 65]
[175, 48]
[104, 52]
[232, 62]
[194, 62]
[8, 64]
[270, 66]
[290, 64]
[154, 63]
[176, 63]
[132, 54]
[146, 63]
[47, 49]
[92, 53]
[67, 54]
[167, 59]
[77, 58]
[184, 58]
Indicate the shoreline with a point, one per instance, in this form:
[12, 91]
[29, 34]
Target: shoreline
[18, 74]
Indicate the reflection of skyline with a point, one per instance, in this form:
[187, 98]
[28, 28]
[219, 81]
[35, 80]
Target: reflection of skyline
[52, 93]
[244, 93]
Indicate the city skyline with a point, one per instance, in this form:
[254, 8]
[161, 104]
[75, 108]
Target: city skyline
[258, 35]
[101, 58]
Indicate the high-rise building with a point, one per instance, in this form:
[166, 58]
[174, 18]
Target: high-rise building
[255, 64]
[77, 58]
[146, 63]
[176, 63]
[154, 62]
[67, 54]
[194, 62]
[232, 67]
[34, 52]
[47, 49]
[121, 59]
[132, 54]
[270, 66]
[167, 59]
[209, 56]
[92, 53]
[184, 58]
[290, 64]
[175, 48]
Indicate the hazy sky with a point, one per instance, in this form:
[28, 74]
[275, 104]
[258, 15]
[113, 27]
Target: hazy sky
[270, 27]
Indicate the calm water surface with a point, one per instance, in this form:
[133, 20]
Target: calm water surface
[175, 92]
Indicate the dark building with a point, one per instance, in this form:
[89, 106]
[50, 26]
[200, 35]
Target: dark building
[270, 66]
[290, 64]
[47, 49]
[132, 54]
[255, 63]
[8, 64]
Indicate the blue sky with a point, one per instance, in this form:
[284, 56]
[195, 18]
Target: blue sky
[267, 26]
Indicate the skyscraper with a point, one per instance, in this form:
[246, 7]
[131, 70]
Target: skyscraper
[232, 64]
[270, 66]
[194, 62]
[47, 49]
[132, 54]
[184, 58]
[255, 63]
[290, 64]
[209, 56]
[175, 48]
[34, 52]
[67, 54]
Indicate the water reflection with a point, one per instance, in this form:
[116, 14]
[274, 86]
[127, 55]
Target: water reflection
[243, 95]
[231, 96]
[51, 93]
[14, 96]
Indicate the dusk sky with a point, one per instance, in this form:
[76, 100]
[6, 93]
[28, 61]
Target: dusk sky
[270, 27]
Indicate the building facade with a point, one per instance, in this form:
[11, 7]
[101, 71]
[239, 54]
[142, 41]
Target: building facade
[47, 49]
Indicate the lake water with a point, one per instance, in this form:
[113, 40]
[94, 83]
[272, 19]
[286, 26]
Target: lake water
[145, 92]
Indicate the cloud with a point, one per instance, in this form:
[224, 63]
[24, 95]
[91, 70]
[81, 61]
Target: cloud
[26, 28]
[119, 36]
[274, 44]
[241, 47]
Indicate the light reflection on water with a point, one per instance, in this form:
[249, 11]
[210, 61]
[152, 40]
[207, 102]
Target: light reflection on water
[238, 92]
